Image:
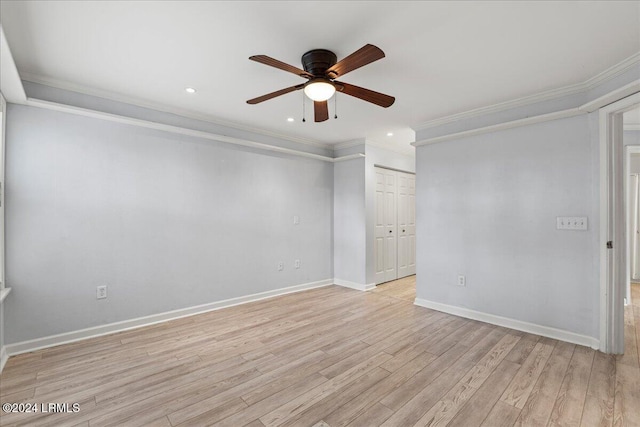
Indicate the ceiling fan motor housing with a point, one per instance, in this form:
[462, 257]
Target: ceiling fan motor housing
[317, 61]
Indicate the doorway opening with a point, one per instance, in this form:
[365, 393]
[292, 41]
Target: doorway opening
[631, 193]
[395, 225]
[395, 233]
[614, 227]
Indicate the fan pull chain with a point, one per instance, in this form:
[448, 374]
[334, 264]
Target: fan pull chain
[303, 109]
[335, 106]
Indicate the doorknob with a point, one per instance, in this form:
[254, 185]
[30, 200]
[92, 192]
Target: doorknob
[403, 230]
[390, 231]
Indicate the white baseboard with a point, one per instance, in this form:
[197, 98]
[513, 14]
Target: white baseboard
[518, 325]
[353, 285]
[82, 334]
[3, 358]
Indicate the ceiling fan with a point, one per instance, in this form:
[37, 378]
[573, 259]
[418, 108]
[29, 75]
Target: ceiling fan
[321, 69]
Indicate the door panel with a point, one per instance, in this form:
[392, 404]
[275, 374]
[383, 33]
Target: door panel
[411, 224]
[406, 224]
[403, 208]
[390, 222]
[379, 236]
[379, 254]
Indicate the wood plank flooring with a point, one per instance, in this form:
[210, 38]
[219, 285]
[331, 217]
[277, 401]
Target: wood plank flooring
[329, 357]
[404, 288]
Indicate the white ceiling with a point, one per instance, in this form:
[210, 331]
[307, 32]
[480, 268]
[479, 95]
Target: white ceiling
[442, 57]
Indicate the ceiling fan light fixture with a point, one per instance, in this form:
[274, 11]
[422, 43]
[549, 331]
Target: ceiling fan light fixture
[321, 67]
[319, 89]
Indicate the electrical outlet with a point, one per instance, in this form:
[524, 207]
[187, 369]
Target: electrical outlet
[280, 266]
[296, 220]
[297, 263]
[101, 292]
[462, 280]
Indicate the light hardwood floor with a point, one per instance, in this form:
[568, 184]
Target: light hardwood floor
[404, 288]
[329, 357]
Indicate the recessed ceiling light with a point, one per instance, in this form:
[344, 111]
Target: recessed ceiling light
[190, 90]
[389, 133]
[290, 119]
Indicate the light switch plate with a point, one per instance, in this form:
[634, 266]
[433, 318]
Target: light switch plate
[571, 223]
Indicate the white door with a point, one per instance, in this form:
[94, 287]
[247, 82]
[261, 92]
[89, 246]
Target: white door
[634, 203]
[411, 225]
[379, 236]
[406, 224]
[395, 225]
[403, 221]
[390, 226]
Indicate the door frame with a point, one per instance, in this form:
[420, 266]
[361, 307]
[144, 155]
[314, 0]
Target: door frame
[613, 262]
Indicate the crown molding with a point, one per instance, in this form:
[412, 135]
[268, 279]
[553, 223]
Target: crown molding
[613, 96]
[349, 157]
[354, 143]
[613, 71]
[409, 152]
[600, 78]
[180, 130]
[138, 102]
[573, 89]
[502, 106]
[348, 144]
[504, 126]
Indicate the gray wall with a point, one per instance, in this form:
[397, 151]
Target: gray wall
[165, 221]
[349, 234]
[487, 208]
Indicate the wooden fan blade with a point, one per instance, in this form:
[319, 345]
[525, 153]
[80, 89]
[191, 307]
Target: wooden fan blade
[274, 94]
[361, 57]
[321, 110]
[365, 94]
[267, 60]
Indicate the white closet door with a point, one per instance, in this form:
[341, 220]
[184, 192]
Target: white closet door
[406, 224]
[379, 236]
[403, 221]
[635, 226]
[395, 225]
[411, 225]
[390, 226]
